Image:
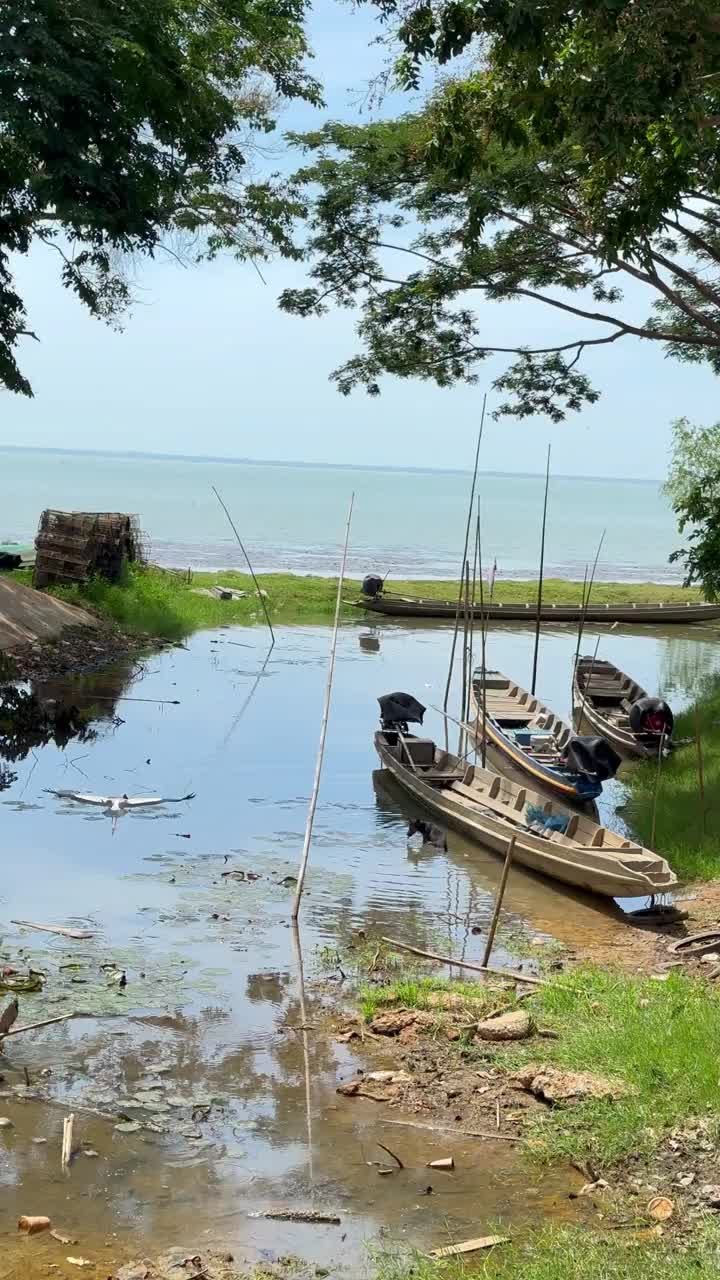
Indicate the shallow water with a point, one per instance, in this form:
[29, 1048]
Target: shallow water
[210, 1022]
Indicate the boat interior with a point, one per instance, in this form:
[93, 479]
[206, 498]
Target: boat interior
[608, 689]
[482, 791]
[531, 726]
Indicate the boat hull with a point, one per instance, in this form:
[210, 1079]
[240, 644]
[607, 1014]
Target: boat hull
[416, 607]
[580, 868]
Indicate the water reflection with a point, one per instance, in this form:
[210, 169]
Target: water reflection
[218, 1003]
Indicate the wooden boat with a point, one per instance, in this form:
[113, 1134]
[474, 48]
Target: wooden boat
[603, 697]
[490, 810]
[398, 606]
[525, 737]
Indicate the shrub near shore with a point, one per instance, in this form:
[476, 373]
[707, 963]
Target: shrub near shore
[163, 603]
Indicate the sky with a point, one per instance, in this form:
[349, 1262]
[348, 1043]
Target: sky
[207, 364]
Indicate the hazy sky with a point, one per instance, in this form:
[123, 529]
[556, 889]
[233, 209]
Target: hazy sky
[207, 363]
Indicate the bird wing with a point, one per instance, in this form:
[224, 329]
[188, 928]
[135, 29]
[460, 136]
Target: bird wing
[83, 798]
[136, 801]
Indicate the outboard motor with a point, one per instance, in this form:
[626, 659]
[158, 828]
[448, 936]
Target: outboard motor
[397, 710]
[593, 757]
[372, 585]
[651, 716]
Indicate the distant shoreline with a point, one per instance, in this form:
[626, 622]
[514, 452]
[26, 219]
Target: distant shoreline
[294, 464]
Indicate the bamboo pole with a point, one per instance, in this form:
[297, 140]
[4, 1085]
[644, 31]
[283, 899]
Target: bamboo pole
[701, 770]
[586, 598]
[323, 725]
[657, 790]
[33, 1026]
[462, 566]
[499, 900]
[465, 673]
[306, 1047]
[261, 597]
[465, 964]
[582, 607]
[540, 576]
[483, 645]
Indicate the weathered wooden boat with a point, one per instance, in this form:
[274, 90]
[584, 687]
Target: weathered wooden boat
[614, 705]
[549, 839]
[398, 606]
[524, 736]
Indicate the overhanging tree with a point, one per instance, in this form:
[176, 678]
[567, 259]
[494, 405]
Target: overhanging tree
[122, 124]
[582, 153]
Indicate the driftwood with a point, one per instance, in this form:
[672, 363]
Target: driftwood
[465, 964]
[67, 1139]
[79, 934]
[462, 1133]
[468, 1246]
[46, 1022]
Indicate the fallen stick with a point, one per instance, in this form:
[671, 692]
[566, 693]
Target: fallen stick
[66, 1153]
[392, 1155]
[462, 1133]
[468, 1246]
[33, 1026]
[465, 964]
[299, 1215]
[79, 934]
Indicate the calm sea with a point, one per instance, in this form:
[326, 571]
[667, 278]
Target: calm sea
[410, 523]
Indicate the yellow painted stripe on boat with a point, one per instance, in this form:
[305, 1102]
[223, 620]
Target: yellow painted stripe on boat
[524, 763]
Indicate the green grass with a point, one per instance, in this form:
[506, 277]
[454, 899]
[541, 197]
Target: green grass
[161, 603]
[568, 1253]
[690, 843]
[414, 992]
[658, 1038]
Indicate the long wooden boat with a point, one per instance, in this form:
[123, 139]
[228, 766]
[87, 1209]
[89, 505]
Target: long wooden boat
[523, 736]
[398, 606]
[614, 705]
[549, 838]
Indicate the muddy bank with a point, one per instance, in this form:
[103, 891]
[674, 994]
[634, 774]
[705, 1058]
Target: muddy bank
[78, 651]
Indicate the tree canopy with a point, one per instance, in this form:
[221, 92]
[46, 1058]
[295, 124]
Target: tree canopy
[579, 152]
[693, 487]
[123, 123]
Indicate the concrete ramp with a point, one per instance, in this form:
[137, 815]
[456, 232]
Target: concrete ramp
[27, 616]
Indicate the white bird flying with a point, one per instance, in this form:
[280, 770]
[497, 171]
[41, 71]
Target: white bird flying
[120, 804]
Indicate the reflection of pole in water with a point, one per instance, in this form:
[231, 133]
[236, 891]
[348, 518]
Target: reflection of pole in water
[306, 1050]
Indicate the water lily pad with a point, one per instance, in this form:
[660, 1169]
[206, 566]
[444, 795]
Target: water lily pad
[128, 1126]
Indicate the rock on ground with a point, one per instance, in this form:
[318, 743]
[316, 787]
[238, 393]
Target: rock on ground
[508, 1026]
[566, 1088]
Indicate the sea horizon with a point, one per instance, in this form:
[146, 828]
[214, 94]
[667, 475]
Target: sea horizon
[294, 463]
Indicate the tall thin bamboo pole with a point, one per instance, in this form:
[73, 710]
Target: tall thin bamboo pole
[582, 606]
[586, 600]
[466, 624]
[458, 610]
[540, 576]
[657, 790]
[483, 643]
[701, 770]
[323, 725]
[261, 597]
[499, 900]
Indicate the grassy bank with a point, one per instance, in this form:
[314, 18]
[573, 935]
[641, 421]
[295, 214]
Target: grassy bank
[570, 1254]
[167, 604]
[658, 1038]
[689, 838]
